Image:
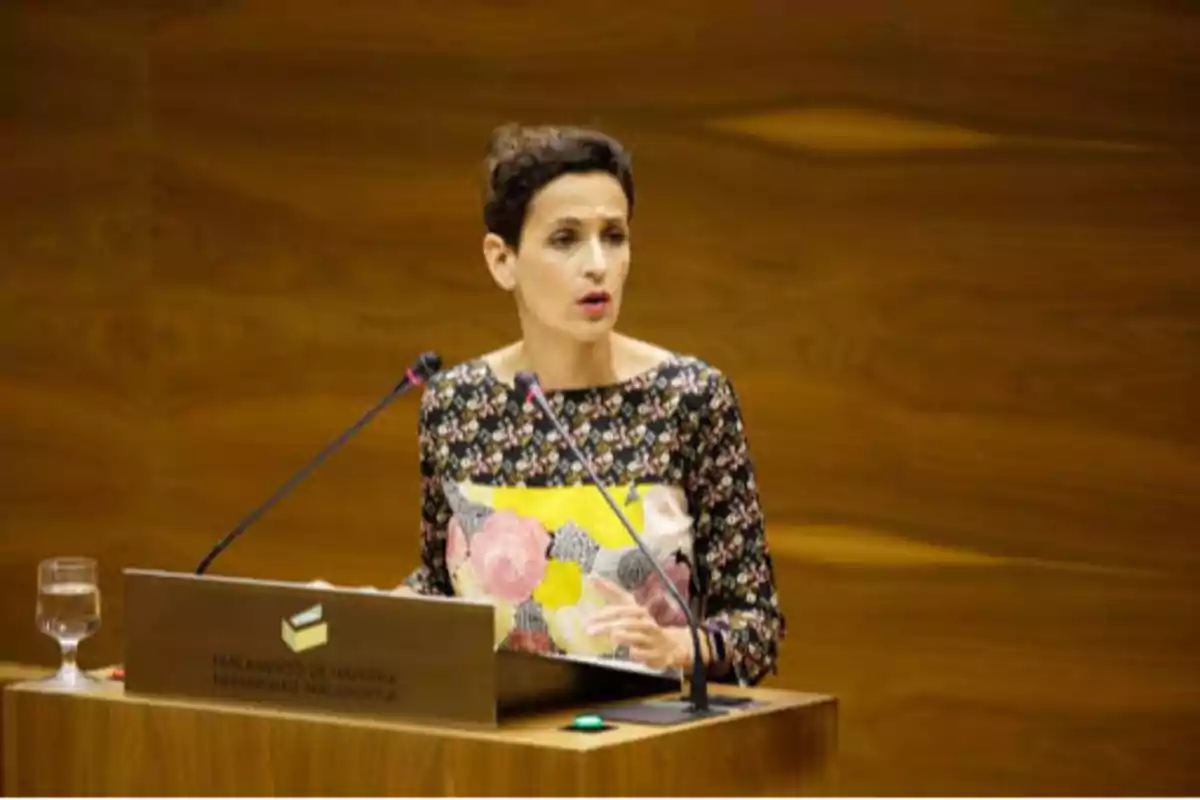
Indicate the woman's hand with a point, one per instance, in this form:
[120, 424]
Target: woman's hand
[631, 625]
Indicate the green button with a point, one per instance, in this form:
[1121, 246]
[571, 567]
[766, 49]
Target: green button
[588, 722]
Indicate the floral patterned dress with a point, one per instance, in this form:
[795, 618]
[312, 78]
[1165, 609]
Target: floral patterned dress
[510, 517]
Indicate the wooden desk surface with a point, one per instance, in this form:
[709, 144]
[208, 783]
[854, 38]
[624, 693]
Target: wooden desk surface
[785, 746]
[540, 730]
[15, 673]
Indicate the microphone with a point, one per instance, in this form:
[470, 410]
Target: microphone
[426, 366]
[527, 383]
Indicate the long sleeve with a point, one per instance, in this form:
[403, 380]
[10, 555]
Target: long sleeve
[740, 600]
[431, 577]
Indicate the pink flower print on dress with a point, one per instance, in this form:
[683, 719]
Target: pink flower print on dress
[509, 555]
[529, 641]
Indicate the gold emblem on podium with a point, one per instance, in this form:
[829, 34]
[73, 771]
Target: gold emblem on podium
[306, 630]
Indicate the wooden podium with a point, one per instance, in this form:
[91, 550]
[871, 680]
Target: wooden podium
[105, 743]
[238, 687]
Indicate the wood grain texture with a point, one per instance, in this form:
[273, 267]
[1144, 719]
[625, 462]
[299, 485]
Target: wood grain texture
[15, 673]
[947, 252]
[173, 748]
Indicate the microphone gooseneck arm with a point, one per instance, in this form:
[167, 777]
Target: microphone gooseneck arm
[425, 366]
[698, 694]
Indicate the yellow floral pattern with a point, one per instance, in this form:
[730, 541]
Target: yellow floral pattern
[562, 586]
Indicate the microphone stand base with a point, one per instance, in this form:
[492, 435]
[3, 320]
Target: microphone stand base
[729, 700]
[658, 712]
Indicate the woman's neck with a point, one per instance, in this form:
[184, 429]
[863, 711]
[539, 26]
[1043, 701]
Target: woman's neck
[564, 364]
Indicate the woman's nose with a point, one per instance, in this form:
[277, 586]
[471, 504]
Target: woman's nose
[597, 260]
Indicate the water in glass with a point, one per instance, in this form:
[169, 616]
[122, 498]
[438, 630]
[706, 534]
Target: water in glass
[68, 610]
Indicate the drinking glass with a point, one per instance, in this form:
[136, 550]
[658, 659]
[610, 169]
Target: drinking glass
[68, 610]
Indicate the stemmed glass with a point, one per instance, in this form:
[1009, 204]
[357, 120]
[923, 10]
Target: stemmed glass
[68, 610]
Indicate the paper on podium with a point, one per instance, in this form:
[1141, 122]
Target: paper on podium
[621, 664]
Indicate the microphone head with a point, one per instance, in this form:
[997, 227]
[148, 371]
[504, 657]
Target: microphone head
[426, 366]
[526, 383]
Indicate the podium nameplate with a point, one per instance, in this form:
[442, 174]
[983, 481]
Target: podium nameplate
[349, 651]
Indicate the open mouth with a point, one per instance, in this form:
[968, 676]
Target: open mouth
[595, 301]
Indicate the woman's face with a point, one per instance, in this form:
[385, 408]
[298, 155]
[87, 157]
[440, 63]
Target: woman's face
[574, 256]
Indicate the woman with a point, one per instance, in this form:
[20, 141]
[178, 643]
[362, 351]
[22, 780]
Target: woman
[508, 515]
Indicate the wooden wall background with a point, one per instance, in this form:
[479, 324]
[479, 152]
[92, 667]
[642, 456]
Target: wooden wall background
[947, 251]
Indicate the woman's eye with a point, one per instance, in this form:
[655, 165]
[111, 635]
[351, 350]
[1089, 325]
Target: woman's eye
[616, 236]
[562, 238]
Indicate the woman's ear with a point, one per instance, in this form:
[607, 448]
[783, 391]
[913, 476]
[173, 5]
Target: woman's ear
[501, 261]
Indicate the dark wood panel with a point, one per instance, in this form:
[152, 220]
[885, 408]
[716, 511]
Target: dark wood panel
[74, 263]
[946, 252]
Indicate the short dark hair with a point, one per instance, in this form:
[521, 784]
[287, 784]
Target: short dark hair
[522, 159]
